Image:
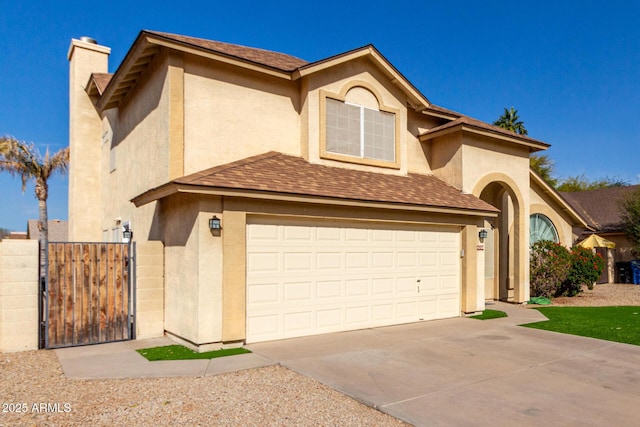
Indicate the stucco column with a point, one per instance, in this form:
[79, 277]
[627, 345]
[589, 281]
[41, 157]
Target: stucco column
[472, 271]
[85, 142]
[234, 225]
[521, 290]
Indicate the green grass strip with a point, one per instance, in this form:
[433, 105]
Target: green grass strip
[179, 352]
[619, 324]
[489, 314]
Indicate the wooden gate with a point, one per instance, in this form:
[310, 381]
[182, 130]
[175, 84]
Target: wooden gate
[87, 297]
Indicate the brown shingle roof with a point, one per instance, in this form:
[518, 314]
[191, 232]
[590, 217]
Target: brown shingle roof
[280, 61]
[280, 173]
[600, 207]
[101, 81]
[58, 230]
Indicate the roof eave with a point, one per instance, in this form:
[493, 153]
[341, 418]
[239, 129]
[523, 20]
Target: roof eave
[532, 145]
[172, 188]
[144, 49]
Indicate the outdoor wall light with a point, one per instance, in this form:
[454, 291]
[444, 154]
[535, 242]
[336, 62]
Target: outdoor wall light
[127, 233]
[214, 223]
[482, 235]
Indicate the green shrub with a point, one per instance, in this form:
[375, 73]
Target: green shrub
[549, 266]
[586, 267]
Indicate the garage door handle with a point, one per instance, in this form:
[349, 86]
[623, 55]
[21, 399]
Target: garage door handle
[418, 285]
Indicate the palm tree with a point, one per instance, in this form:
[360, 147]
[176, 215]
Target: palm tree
[511, 121]
[24, 159]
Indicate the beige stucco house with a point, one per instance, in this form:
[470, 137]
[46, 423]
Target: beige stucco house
[346, 199]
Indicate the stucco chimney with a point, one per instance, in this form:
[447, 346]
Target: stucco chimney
[85, 130]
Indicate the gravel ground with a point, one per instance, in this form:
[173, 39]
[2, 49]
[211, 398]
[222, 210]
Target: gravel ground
[602, 295]
[271, 396]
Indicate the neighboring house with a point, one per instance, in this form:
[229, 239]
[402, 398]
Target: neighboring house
[601, 209]
[58, 230]
[16, 235]
[346, 198]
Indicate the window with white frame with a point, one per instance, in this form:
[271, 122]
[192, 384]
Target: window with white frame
[358, 131]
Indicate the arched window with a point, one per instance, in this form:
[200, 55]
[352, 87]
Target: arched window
[541, 228]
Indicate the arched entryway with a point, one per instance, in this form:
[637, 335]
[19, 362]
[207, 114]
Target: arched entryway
[505, 256]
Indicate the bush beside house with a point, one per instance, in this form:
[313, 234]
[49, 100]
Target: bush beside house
[556, 271]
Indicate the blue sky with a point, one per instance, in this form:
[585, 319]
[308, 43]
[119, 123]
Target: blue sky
[572, 69]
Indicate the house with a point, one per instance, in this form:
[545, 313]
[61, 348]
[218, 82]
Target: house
[295, 198]
[601, 210]
[58, 230]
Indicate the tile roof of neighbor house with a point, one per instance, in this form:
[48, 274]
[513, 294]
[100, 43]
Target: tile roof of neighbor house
[269, 58]
[600, 207]
[281, 173]
[58, 230]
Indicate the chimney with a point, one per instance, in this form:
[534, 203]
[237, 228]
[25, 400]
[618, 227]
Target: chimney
[85, 56]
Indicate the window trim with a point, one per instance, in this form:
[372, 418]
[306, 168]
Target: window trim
[547, 220]
[341, 97]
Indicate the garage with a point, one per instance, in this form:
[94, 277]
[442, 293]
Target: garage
[308, 278]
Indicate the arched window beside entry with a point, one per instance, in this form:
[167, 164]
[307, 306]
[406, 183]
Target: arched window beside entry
[541, 228]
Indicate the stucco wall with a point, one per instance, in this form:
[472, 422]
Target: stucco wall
[135, 156]
[231, 114]
[18, 295]
[149, 290]
[193, 269]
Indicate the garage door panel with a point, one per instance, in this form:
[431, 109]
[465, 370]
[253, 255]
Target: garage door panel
[356, 260]
[329, 289]
[406, 259]
[263, 293]
[305, 279]
[383, 286]
[331, 318]
[298, 234]
[258, 261]
[329, 261]
[382, 313]
[356, 288]
[449, 284]
[296, 292]
[298, 321]
[449, 305]
[297, 261]
[356, 235]
[382, 235]
[357, 315]
[382, 260]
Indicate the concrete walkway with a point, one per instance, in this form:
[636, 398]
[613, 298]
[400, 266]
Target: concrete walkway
[438, 373]
[470, 372]
[120, 360]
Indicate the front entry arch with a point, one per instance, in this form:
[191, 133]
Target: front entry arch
[506, 255]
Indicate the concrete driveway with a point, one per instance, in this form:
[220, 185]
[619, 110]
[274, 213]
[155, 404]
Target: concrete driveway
[470, 372]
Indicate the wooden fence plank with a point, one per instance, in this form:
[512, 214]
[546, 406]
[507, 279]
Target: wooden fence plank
[88, 293]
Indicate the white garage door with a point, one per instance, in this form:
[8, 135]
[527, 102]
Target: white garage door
[305, 279]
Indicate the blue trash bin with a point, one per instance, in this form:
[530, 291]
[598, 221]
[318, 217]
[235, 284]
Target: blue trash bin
[635, 271]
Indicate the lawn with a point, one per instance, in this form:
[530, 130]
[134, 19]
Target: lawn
[178, 352]
[489, 314]
[619, 324]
